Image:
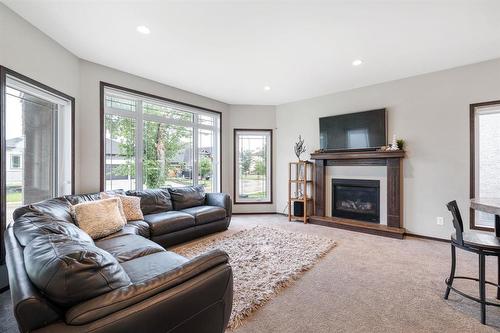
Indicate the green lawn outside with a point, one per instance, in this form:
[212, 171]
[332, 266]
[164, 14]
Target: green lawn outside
[14, 197]
[257, 195]
[252, 177]
[186, 181]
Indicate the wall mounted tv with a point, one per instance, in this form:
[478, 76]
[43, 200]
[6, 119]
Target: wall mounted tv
[354, 131]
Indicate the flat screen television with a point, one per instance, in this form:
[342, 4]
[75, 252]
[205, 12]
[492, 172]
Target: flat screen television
[354, 131]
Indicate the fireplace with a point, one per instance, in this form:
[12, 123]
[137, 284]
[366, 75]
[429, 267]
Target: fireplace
[356, 199]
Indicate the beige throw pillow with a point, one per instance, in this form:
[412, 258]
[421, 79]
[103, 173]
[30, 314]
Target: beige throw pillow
[99, 218]
[131, 205]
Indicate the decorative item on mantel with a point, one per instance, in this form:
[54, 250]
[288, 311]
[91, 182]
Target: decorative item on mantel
[396, 144]
[299, 148]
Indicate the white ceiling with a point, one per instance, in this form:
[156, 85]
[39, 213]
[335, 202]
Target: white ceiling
[230, 50]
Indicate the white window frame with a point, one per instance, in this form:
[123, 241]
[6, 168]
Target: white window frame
[63, 182]
[268, 133]
[140, 117]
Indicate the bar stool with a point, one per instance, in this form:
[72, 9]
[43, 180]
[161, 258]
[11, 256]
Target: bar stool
[480, 243]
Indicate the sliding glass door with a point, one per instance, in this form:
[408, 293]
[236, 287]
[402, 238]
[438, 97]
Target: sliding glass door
[38, 159]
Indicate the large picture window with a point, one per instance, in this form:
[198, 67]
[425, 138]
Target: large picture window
[37, 144]
[252, 166]
[485, 159]
[151, 142]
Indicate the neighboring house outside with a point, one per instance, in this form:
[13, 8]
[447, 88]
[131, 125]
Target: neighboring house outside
[14, 149]
[114, 159]
[183, 159]
[181, 164]
[14, 153]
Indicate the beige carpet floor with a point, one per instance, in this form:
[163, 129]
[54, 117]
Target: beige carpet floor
[264, 260]
[366, 284]
[371, 284]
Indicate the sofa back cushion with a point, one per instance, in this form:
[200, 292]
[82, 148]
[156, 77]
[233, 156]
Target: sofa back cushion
[153, 200]
[80, 198]
[58, 208]
[100, 218]
[32, 225]
[69, 271]
[188, 196]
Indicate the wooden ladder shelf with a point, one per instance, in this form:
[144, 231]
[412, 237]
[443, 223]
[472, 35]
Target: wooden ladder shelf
[301, 189]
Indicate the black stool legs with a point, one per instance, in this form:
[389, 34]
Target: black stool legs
[481, 244]
[482, 288]
[498, 273]
[482, 280]
[452, 273]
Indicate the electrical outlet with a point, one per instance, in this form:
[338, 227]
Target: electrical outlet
[440, 220]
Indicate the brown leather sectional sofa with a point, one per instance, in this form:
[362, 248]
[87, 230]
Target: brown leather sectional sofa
[63, 281]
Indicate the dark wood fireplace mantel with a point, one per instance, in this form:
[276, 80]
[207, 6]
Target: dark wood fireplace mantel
[394, 162]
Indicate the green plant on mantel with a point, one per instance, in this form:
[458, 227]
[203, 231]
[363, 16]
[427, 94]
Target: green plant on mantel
[401, 144]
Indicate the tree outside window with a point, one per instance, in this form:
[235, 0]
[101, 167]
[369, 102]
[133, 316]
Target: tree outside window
[166, 137]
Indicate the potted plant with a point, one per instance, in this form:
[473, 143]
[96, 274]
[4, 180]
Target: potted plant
[400, 143]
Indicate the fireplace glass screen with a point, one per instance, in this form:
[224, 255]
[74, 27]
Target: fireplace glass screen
[357, 199]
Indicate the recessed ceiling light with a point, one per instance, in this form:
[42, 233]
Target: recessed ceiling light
[267, 88]
[143, 30]
[357, 62]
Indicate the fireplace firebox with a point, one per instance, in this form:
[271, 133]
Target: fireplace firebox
[357, 199]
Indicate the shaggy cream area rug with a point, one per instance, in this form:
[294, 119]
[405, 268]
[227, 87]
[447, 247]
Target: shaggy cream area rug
[264, 260]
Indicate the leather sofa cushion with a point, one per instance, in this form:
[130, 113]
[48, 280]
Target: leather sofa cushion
[32, 225]
[141, 226]
[145, 268]
[79, 198]
[153, 200]
[206, 214]
[220, 200]
[126, 230]
[195, 274]
[69, 271]
[58, 208]
[31, 309]
[128, 247]
[166, 222]
[189, 196]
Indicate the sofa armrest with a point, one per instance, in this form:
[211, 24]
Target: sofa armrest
[213, 264]
[31, 309]
[221, 200]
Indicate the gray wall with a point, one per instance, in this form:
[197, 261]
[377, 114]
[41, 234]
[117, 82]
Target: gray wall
[252, 117]
[30, 52]
[431, 112]
[88, 119]
[27, 50]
